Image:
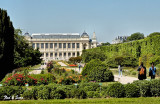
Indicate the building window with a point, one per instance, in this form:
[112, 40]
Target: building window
[64, 54]
[33, 45]
[60, 45]
[78, 54]
[60, 54]
[73, 45]
[42, 45]
[77, 45]
[73, 54]
[51, 54]
[64, 45]
[46, 54]
[37, 45]
[69, 54]
[69, 45]
[55, 45]
[42, 55]
[51, 45]
[55, 54]
[46, 45]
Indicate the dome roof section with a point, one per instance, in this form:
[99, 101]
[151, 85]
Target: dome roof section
[27, 34]
[85, 35]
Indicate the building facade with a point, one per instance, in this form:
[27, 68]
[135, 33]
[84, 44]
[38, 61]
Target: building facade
[119, 39]
[61, 46]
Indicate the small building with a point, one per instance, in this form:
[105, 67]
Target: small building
[119, 39]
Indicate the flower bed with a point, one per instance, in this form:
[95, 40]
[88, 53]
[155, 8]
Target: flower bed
[73, 65]
[20, 80]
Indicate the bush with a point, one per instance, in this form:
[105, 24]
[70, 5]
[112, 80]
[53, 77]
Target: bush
[97, 71]
[2, 93]
[27, 94]
[43, 94]
[144, 87]
[44, 78]
[57, 94]
[116, 90]
[155, 87]
[78, 93]
[131, 90]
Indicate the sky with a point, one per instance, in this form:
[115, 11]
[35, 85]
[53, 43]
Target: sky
[107, 18]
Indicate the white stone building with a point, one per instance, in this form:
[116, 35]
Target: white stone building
[61, 46]
[119, 39]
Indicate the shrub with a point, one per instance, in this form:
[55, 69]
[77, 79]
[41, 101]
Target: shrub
[155, 87]
[20, 80]
[78, 93]
[57, 94]
[90, 94]
[44, 78]
[34, 93]
[116, 90]
[27, 94]
[97, 71]
[43, 94]
[144, 87]
[89, 86]
[2, 93]
[131, 90]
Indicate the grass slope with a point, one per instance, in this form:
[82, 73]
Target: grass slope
[142, 100]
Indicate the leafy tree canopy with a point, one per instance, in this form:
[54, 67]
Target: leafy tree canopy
[135, 36]
[154, 34]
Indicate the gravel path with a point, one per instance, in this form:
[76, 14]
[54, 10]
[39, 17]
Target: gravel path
[62, 64]
[38, 71]
[124, 79]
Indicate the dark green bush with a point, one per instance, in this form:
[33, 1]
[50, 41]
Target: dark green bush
[97, 71]
[155, 87]
[27, 94]
[57, 94]
[144, 87]
[43, 94]
[78, 93]
[34, 93]
[2, 94]
[131, 90]
[116, 90]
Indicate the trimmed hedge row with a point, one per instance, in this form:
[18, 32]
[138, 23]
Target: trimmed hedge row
[84, 90]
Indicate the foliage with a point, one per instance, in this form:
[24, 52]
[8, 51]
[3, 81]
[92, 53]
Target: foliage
[6, 44]
[154, 34]
[79, 93]
[155, 59]
[140, 50]
[49, 66]
[57, 94]
[116, 90]
[131, 90]
[95, 54]
[24, 54]
[27, 94]
[20, 80]
[105, 44]
[44, 78]
[75, 60]
[144, 87]
[97, 71]
[155, 87]
[135, 36]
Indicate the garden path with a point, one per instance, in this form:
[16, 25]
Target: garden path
[38, 71]
[124, 79]
[62, 64]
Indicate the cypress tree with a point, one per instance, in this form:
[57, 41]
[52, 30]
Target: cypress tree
[6, 44]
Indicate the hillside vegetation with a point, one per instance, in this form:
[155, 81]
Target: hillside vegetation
[129, 53]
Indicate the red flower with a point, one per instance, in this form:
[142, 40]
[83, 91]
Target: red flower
[18, 80]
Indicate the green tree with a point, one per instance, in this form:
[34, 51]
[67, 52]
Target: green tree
[24, 54]
[105, 44]
[135, 36]
[6, 44]
[154, 34]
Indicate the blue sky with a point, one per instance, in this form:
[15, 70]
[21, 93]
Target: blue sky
[108, 18]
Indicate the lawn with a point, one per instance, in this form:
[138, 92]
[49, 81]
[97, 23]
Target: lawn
[142, 100]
